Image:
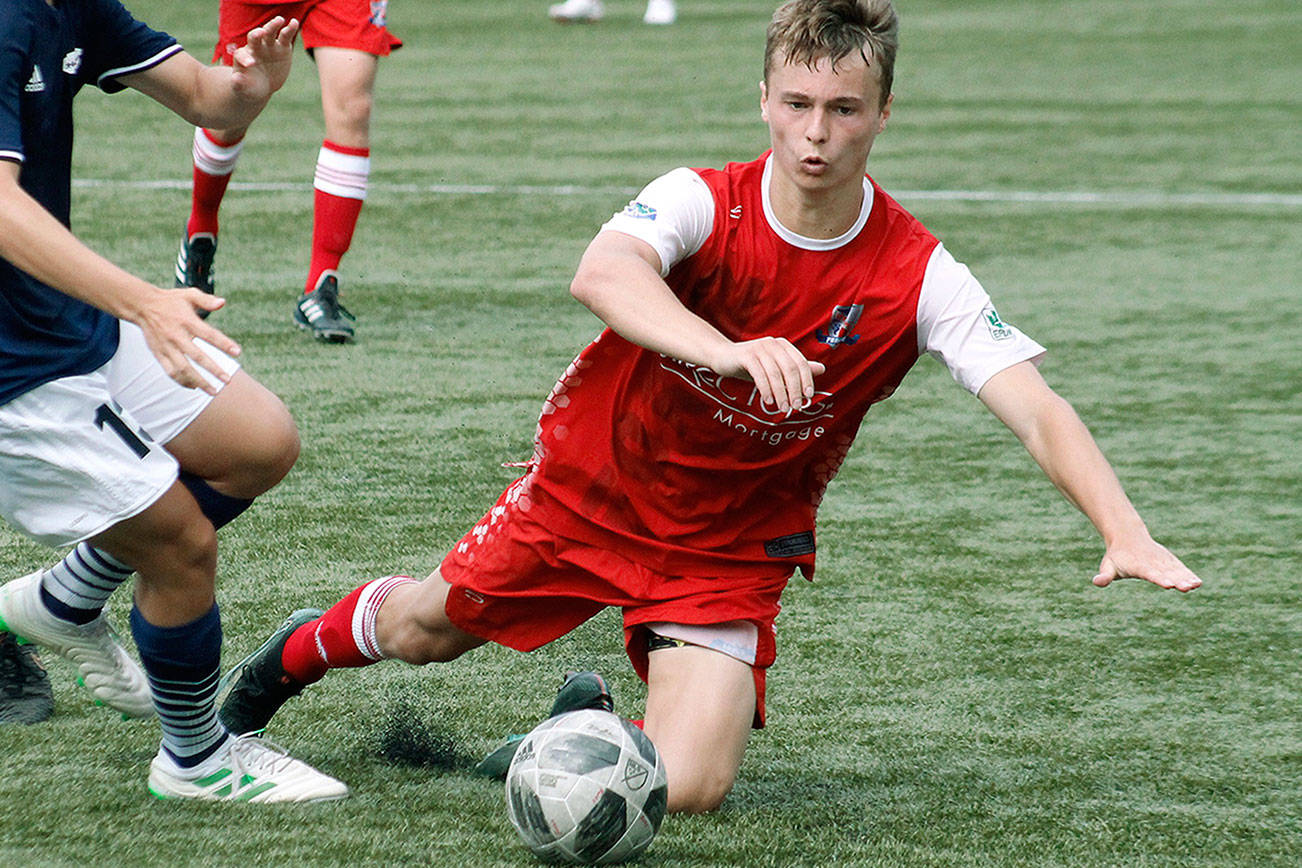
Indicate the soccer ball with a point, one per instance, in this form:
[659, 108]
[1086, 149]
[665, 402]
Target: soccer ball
[587, 787]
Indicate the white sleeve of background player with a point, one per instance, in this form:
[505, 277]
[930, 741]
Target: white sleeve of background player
[958, 325]
[674, 214]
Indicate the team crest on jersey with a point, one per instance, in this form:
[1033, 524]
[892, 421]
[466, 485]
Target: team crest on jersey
[844, 317]
[638, 211]
[379, 12]
[72, 61]
[35, 84]
[999, 330]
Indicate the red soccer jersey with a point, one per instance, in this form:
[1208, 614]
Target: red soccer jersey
[688, 471]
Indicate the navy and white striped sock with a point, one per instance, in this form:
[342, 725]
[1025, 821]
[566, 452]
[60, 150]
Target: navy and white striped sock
[77, 587]
[184, 665]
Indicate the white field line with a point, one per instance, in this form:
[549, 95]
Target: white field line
[1134, 198]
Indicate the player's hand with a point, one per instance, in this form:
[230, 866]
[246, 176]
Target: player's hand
[171, 324]
[779, 371]
[1145, 559]
[262, 64]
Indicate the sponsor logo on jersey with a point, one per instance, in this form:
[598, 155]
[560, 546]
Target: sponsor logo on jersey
[742, 409]
[72, 61]
[844, 318]
[638, 211]
[735, 212]
[379, 12]
[36, 83]
[999, 330]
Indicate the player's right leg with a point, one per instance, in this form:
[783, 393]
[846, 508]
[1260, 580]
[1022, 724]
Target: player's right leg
[699, 710]
[393, 617]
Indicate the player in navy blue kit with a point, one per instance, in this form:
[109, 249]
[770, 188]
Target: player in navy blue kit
[119, 405]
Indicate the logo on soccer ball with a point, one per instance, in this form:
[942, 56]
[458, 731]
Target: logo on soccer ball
[379, 12]
[635, 775]
[844, 317]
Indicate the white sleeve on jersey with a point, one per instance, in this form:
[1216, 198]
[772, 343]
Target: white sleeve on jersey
[674, 214]
[959, 326]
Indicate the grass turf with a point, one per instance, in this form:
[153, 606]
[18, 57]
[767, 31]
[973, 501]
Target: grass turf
[952, 691]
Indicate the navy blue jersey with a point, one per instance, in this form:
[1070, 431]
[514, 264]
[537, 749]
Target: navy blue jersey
[46, 54]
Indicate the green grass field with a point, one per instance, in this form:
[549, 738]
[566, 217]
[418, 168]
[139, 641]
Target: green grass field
[952, 691]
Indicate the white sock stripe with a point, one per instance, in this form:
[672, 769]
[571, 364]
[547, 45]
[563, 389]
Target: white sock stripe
[345, 175]
[368, 605]
[212, 158]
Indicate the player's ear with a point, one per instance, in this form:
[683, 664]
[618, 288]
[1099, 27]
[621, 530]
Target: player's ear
[885, 114]
[764, 101]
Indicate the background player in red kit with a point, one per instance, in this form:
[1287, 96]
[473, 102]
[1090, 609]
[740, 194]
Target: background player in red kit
[755, 314]
[346, 39]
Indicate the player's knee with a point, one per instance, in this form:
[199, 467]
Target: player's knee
[272, 448]
[699, 793]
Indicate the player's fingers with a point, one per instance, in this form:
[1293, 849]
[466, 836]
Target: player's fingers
[770, 359]
[753, 364]
[803, 380]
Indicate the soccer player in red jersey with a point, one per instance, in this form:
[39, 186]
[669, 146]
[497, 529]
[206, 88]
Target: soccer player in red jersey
[346, 39]
[755, 313]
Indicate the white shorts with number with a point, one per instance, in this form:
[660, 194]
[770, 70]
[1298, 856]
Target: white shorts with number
[80, 454]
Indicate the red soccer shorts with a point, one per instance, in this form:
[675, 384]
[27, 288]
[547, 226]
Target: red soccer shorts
[516, 583]
[357, 24]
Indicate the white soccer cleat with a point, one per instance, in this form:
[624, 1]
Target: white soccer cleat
[660, 12]
[577, 10]
[247, 768]
[112, 677]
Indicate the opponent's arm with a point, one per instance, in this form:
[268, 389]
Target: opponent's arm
[34, 241]
[619, 280]
[223, 97]
[1063, 447]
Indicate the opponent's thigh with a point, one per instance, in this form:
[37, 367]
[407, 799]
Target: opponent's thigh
[700, 705]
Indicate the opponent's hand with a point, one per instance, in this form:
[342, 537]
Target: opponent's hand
[171, 323]
[1145, 559]
[262, 64]
[779, 371]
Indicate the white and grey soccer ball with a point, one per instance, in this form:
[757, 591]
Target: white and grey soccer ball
[586, 787]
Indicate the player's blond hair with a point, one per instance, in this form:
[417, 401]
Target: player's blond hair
[807, 31]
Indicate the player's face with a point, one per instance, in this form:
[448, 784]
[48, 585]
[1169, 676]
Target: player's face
[822, 121]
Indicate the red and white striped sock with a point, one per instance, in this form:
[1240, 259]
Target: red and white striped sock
[344, 637]
[340, 188]
[214, 161]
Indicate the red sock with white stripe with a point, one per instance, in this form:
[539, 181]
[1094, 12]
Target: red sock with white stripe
[342, 638]
[214, 161]
[340, 188]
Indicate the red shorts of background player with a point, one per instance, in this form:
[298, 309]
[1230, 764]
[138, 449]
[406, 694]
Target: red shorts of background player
[357, 24]
[516, 583]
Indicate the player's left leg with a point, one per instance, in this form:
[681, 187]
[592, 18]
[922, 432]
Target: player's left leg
[342, 173]
[699, 710]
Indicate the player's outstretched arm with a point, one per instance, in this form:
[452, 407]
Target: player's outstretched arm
[223, 97]
[1061, 444]
[619, 280]
[34, 241]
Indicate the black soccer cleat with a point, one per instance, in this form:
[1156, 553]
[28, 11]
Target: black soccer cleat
[258, 685]
[578, 691]
[320, 312]
[194, 263]
[25, 693]
[582, 690]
